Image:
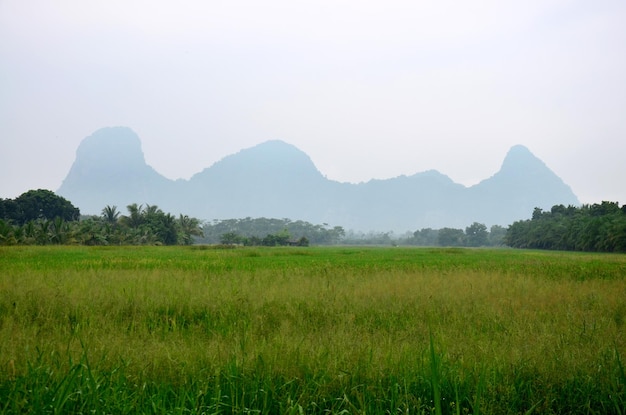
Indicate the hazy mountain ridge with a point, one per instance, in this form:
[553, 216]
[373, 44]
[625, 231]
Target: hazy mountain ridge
[276, 179]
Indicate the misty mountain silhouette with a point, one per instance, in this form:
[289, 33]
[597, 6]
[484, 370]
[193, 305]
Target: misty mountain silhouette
[276, 179]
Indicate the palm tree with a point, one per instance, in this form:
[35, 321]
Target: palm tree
[59, 231]
[43, 231]
[6, 233]
[189, 227]
[151, 210]
[30, 232]
[167, 230]
[135, 215]
[110, 214]
[93, 232]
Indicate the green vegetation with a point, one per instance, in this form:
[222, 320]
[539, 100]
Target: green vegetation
[268, 232]
[474, 235]
[39, 217]
[202, 329]
[596, 228]
[36, 205]
[282, 238]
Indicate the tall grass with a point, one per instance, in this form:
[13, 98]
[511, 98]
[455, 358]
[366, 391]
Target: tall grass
[317, 330]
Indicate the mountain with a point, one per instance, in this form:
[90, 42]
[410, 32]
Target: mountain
[522, 183]
[276, 179]
[273, 179]
[110, 169]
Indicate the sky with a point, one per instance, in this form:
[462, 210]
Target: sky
[368, 89]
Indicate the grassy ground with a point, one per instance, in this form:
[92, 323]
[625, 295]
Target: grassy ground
[310, 330]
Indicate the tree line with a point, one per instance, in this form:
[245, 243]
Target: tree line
[270, 232]
[282, 238]
[41, 217]
[595, 228]
[475, 235]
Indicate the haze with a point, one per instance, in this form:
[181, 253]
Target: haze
[367, 89]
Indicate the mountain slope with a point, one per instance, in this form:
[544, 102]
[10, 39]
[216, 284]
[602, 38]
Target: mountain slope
[272, 179]
[275, 179]
[110, 169]
[522, 183]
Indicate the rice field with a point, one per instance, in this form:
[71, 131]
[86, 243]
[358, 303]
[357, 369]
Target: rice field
[318, 330]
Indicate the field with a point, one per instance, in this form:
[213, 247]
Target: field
[311, 330]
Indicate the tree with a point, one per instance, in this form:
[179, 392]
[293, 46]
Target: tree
[597, 227]
[337, 234]
[476, 234]
[93, 232]
[7, 236]
[537, 212]
[252, 229]
[9, 209]
[424, 237]
[303, 241]
[189, 227]
[42, 233]
[604, 208]
[142, 226]
[135, 216]
[279, 239]
[451, 237]
[166, 229]
[30, 233]
[43, 204]
[496, 235]
[151, 210]
[110, 214]
[59, 231]
[161, 225]
[230, 238]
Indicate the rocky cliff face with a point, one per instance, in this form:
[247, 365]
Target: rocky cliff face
[275, 179]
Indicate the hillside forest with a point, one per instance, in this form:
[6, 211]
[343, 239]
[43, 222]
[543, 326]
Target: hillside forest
[40, 217]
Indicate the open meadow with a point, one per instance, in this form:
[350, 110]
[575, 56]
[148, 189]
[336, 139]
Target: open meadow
[321, 330]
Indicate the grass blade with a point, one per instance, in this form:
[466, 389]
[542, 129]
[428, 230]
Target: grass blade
[434, 369]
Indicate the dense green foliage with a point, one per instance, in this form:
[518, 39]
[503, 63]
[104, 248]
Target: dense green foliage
[280, 239]
[281, 232]
[269, 232]
[35, 205]
[596, 228]
[338, 330]
[474, 235]
[41, 217]
[142, 226]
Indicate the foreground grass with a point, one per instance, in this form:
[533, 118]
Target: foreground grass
[310, 330]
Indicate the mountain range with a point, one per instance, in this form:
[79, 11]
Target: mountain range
[277, 180]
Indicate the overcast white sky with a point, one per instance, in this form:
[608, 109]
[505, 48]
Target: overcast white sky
[368, 89]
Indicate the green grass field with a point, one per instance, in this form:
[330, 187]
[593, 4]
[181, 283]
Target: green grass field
[311, 330]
